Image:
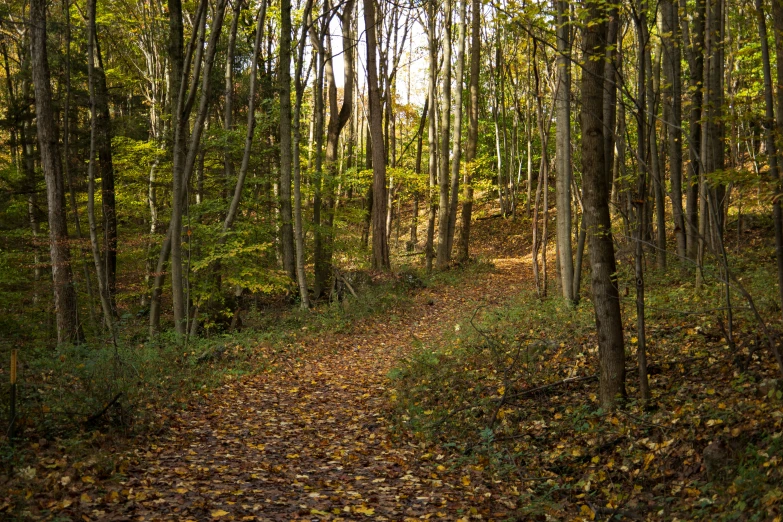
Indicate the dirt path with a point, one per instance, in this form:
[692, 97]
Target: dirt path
[311, 442]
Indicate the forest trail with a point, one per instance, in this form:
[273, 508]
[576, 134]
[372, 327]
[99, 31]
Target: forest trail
[311, 441]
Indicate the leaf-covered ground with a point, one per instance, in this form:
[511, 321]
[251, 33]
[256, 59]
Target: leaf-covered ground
[307, 441]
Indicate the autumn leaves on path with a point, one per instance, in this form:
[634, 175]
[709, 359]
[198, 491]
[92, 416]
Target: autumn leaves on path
[311, 441]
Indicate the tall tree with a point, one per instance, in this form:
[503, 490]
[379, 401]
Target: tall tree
[284, 86]
[69, 329]
[339, 115]
[97, 134]
[777, 212]
[473, 128]
[456, 151]
[380, 243]
[563, 151]
[606, 298]
[672, 114]
[445, 130]
[103, 130]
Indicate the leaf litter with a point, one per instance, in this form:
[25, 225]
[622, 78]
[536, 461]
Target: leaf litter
[308, 441]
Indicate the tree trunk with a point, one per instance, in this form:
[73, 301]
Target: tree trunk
[228, 94]
[380, 244]
[563, 152]
[338, 119]
[463, 247]
[108, 200]
[96, 108]
[606, 299]
[233, 208]
[442, 260]
[653, 79]
[694, 53]
[284, 84]
[777, 212]
[68, 327]
[672, 99]
[432, 139]
[456, 150]
[304, 298]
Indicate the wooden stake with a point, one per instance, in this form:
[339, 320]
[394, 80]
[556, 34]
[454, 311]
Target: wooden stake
[12, 421]
[13, 366]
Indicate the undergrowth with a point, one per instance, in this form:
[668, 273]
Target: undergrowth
[514, 391]
[96, 394]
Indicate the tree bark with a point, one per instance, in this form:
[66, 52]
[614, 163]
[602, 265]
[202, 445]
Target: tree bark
[456, 150]
[432, 139]
[672, 99]
[68, 327]
[695, 57]
[563, 152]
[380, 243]
[104, 135]
[339, 117]
[777, 212]
[463, 246]
[442, 260]
[96, 135]
[606, 299]
[284, 85]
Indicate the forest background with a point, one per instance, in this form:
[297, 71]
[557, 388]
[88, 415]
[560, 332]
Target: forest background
[174, 174]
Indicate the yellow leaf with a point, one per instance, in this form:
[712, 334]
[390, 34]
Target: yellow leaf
[465, 480]
[364, 510]
[587, 511]
[219, 513]
[647, 459]
[88, 479]
[181, 490]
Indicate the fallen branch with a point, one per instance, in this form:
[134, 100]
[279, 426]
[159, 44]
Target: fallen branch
[95, 416]
[571, 380]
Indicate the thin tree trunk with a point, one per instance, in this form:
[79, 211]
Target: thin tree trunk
[652, 139]
[672, 95]
[95, 108]
[456, 150]
[463, 246]
[432, 139]
[694, 53]
[442, 260]
[563, 153]
[338, 119]
[380, 244]
[108, 198]
[419, 146]
[301, 278]
[251, 122]
[284, 84]
[228, 94]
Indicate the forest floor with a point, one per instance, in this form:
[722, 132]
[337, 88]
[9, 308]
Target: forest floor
[307, 440]
[468, 399]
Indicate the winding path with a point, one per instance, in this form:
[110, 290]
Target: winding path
[312, 442]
